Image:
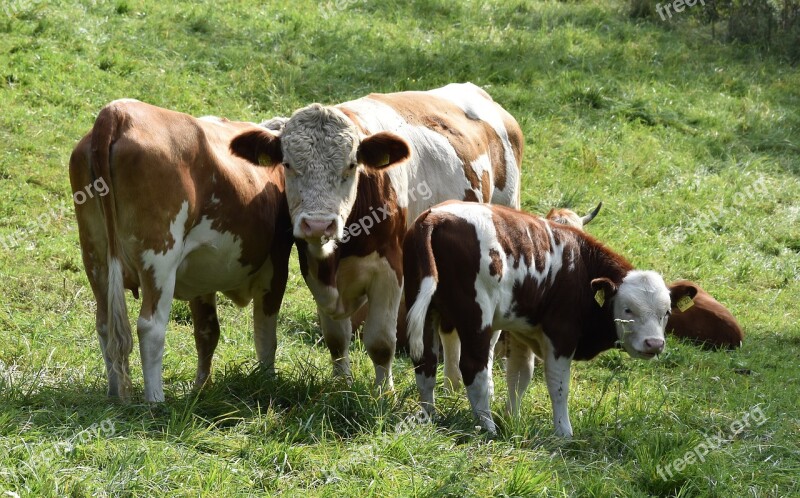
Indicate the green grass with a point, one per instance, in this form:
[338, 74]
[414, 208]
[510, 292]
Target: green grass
[693, 146]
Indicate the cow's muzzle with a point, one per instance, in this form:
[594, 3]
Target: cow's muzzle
[316, 227]
[650, 348]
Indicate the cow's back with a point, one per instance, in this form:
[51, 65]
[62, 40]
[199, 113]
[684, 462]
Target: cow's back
[464, 146]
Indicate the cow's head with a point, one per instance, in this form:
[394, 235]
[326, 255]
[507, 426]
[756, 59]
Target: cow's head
[640, 305]
[571, 218]
[322, 152]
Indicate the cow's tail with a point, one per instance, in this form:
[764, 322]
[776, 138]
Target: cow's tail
[119, 344]
[418, 249]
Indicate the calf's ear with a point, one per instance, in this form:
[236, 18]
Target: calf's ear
[382, 150]
[679, 290]
[260, 147]
[603, 289]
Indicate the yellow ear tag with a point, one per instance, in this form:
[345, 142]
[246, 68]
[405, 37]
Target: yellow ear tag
[600, 297]
[685, 303]
[385, 160]
[264, 160]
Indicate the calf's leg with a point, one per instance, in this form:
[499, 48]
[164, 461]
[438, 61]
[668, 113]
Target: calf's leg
[476, 370]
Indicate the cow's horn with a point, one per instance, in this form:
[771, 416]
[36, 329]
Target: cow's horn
[589, 217]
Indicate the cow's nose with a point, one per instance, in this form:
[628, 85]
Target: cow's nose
[315, 228]
[654, 345]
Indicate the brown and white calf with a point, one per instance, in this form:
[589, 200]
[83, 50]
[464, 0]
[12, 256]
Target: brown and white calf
[181, 218]
[452, 346]
[475, 269]
[359, 172]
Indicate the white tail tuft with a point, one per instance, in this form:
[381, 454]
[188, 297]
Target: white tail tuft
[416, 317]
[120, 340]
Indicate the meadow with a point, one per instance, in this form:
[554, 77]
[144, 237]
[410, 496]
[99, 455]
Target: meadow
[692, 144]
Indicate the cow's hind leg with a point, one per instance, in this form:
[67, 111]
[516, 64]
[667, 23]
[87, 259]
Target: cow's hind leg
[380, 327]
[101, 325]
[152, 329]
[206, 335]
[451, 347]
[476, 369]
[425, 367]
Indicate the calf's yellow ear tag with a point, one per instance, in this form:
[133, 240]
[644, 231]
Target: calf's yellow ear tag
[385, 160]
[685, 303]
[600, 297]
[264, 160]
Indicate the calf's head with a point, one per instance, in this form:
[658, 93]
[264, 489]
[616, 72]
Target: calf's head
[640, 306]
[322, 153]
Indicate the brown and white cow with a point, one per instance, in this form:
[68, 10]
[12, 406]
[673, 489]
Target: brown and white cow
[359, 172]
[703, 320]
[181, 218]
[476, 269]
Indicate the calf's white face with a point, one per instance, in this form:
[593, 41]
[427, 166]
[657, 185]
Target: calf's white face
[641, 308]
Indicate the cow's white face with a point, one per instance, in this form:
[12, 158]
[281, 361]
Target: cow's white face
[322, 153]
[641, 308]
[320, 149]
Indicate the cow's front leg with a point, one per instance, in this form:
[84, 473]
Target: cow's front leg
[556, 374]
[337, 335]
[380, 328]
[206, 335]
[267, 305]
[265, 334]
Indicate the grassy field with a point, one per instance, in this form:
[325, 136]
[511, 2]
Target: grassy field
[692, 145]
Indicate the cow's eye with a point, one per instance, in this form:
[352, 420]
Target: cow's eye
[287, 166]
[353, 166]
[628, 311]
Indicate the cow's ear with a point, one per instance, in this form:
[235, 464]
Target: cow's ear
[603, 289]
[680, 291]
[259, 147]
[383, 150]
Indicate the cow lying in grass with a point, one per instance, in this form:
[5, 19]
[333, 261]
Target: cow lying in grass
[705, 321]
[476, 269]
